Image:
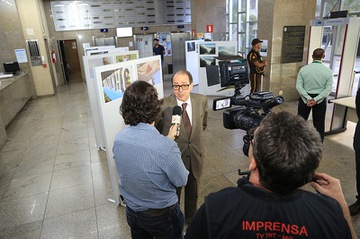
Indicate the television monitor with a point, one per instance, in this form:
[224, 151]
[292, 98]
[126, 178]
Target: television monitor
[234, 72]
[11, 67]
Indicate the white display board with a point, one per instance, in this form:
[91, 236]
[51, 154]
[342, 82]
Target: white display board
[111, 82]
[206, 53]
[192, 59]
[89, 63]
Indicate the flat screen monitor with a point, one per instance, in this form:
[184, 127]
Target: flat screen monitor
[233, 72]
[11, 67]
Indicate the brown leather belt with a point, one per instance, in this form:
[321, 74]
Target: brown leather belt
[158, 212]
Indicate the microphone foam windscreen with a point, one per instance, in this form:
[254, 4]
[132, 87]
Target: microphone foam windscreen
[177, 110]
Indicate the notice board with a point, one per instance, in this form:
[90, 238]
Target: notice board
[293, 44]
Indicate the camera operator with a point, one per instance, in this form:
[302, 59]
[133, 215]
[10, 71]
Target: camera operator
[284, 154]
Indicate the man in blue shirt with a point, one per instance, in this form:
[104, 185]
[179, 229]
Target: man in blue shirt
[150, 167]
[159, 50]
[314, 84]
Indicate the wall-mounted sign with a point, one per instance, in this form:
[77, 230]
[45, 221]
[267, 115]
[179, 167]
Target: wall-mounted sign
[104, 30]
[209, 28]
[91, 14]
[21, 55]
[181, 26]
[144, 28]
[293, 44]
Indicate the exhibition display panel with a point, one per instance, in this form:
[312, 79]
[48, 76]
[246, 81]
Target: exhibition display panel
[110, 82]
[90, 62]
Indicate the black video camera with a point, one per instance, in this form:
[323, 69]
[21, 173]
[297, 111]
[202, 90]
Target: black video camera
[251, 108]
[249, 113]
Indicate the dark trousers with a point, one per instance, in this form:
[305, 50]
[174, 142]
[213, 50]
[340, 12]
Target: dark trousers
[191, 196]
[156, 223]
[255, 82]
[356, 145]
[318, 114]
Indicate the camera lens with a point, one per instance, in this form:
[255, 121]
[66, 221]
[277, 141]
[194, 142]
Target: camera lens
[247, 120]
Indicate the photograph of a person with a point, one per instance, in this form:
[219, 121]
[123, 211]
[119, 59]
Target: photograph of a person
[207, 49]
[150, 72]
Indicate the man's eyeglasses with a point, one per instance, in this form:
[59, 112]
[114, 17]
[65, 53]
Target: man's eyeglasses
[184, 87]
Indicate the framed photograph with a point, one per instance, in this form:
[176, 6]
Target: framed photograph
[208, 49]
[207, 61]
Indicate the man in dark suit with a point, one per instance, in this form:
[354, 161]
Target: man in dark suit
[191, 134]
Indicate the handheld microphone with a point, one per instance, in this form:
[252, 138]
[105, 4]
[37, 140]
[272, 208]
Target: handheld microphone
[176, 118]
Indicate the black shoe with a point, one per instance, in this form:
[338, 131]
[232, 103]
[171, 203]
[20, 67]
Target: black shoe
[354, 208]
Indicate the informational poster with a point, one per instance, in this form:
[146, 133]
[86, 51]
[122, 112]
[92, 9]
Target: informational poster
[264, 48]
[21, 55]
[165, 41]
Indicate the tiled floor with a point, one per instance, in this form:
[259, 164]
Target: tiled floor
[54, 183]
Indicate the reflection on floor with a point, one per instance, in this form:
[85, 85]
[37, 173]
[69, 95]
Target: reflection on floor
[54, 183]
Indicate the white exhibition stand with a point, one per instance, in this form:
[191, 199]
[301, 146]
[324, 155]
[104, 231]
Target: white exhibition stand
[201, 53]
[111, 82]
[90, 62]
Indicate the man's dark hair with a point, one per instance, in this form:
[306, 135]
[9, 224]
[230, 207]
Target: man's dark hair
[156, 39]
[287, 152]
[180, 72]
[318, 53]
[140, 104]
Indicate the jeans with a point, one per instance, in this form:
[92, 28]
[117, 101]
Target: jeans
[168, 225]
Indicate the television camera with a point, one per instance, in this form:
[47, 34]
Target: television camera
[251, 109]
